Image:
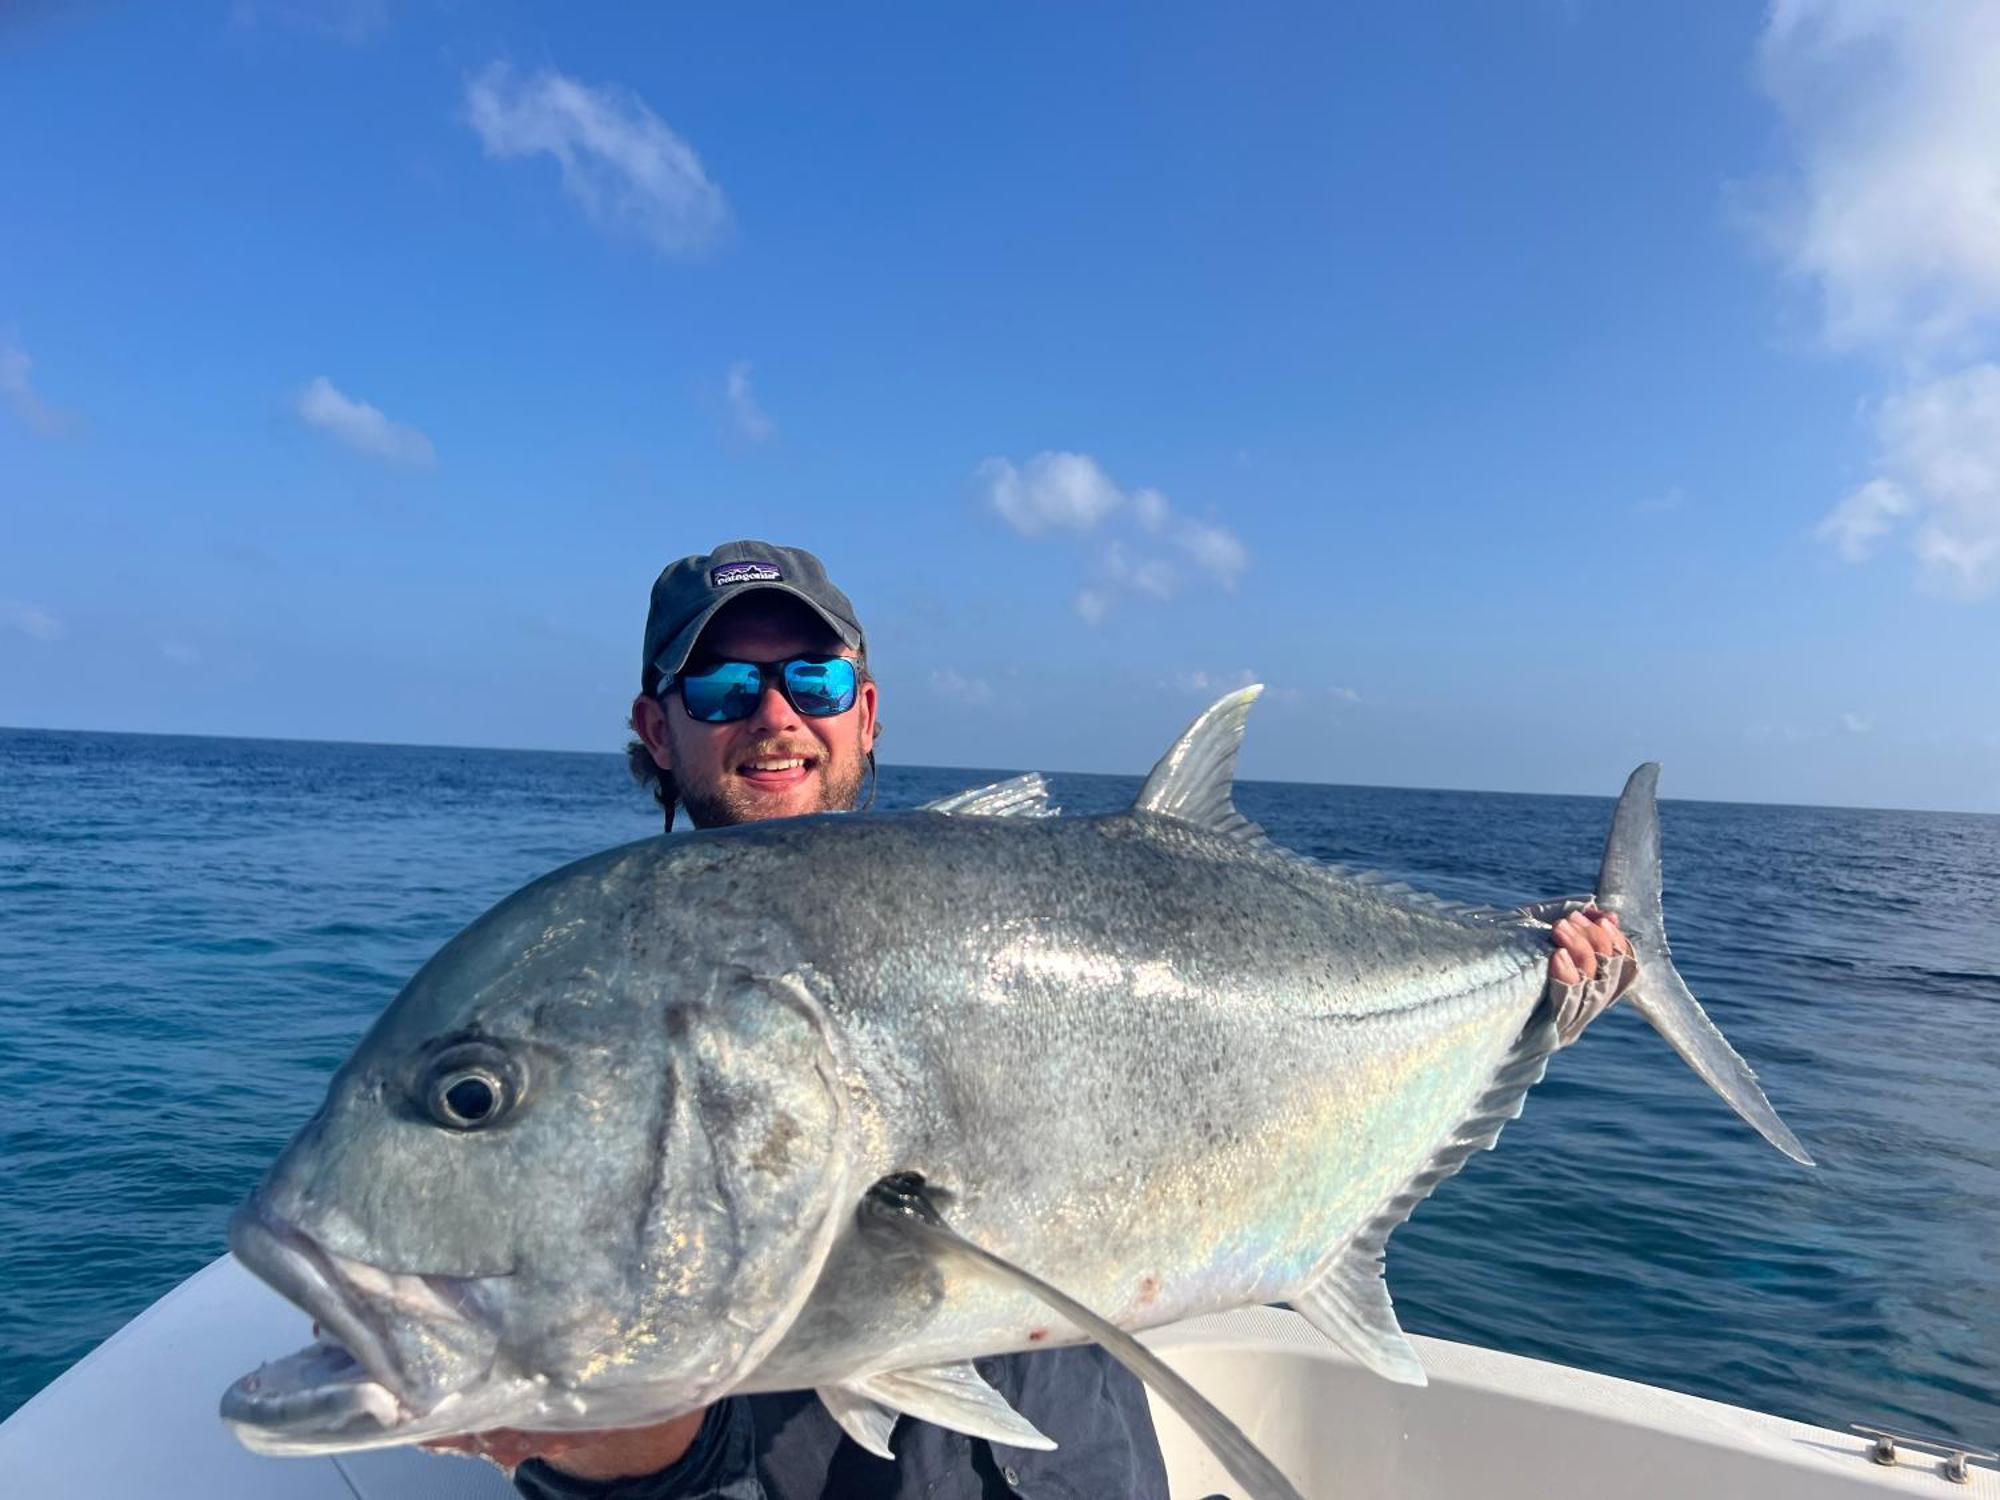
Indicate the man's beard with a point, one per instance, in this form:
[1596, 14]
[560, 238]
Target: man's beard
[724, 806]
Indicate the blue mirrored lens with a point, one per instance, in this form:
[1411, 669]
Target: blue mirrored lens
[728, 690]
[820, 689]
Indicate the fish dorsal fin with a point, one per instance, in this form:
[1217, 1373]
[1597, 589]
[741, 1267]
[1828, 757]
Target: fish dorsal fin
[1349, 1300]
[953, 1396]
[1194, 779]
[1017, 797]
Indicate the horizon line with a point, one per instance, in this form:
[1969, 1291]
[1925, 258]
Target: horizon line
[273, 739]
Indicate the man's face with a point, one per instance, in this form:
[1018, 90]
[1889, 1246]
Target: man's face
[777, 763]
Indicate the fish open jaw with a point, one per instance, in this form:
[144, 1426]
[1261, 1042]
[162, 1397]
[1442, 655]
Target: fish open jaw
[311, 1401]
[347, 1389]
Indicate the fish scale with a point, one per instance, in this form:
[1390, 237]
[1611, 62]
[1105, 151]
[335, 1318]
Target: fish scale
[1170, 1082]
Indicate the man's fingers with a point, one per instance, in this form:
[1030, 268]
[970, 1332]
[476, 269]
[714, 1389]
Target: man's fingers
[1563, 967]
[1570, 935]
[1602, 929]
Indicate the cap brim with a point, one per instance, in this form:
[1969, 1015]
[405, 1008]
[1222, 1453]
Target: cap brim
[669, 662]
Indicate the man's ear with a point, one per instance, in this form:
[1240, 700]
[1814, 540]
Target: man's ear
[649, 719]
[867, 701]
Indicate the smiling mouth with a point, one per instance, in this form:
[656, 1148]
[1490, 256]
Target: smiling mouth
[777, 771]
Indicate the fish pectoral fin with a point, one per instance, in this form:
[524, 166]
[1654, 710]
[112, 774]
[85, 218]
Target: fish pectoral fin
[1018, 797]
[901, 1204]
[862, 1418]
[1350, 1305]
[954, 1396]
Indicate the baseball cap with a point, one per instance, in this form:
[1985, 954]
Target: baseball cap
[689, 593]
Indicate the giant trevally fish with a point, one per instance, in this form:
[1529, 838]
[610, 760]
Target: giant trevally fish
[601, 1162]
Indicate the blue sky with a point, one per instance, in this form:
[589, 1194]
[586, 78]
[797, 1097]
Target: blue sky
[1521, 390]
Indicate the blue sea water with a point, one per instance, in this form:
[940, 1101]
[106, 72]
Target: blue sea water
[193, 932]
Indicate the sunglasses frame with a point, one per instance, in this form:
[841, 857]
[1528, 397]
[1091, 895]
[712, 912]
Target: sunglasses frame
[767, 673]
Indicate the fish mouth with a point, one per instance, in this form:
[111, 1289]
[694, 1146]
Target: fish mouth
[352, 1387]
[315, 1401]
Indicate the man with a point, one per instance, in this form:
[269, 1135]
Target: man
[756, 702]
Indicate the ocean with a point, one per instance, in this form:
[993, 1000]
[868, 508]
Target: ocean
[193, 932]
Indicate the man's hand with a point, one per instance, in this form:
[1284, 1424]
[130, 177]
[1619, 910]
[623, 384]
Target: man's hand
[617, 1454]
[1580, 937]
[1593, 966]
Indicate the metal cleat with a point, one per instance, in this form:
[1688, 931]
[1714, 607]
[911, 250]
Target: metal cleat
[1953, 1455]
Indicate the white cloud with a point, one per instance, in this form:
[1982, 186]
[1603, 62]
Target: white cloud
[1343, 694]
[950, 683]
[1123, 532]
[18, 391]
[1155, 577]
[363, 427]
[1940, 444]
[1856, 724]
[1895, 117]
[620, 161]
[751, 419]
[1894, 218]
[1216, 551]
[1861, 520]
[31, 620]
[1053, 491]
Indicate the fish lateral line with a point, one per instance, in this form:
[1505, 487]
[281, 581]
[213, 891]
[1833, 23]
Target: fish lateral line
[902, 1202]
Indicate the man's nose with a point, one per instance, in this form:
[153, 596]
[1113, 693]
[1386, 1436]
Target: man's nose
[774, 714]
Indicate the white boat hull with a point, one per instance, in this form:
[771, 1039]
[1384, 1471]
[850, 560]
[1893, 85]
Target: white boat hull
[137, 1417]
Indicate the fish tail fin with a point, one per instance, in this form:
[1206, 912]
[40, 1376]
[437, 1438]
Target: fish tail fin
[1629, 884]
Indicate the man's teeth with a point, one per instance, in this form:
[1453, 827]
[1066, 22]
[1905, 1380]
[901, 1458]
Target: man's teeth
[793, 764]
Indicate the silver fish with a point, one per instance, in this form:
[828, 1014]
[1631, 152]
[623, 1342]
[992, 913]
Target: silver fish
[600, 1163]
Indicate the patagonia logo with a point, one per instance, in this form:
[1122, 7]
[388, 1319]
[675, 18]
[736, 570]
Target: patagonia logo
[743, 572]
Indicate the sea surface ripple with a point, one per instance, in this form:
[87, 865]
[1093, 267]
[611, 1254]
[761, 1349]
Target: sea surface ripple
[193, 933]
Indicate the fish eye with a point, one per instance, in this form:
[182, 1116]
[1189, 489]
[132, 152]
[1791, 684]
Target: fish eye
[467, 1099]
[469, 1087]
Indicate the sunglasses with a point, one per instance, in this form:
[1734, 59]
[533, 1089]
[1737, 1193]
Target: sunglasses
[721, 692]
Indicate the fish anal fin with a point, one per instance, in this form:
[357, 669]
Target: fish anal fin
[954, 1396]
[1018, 797]
[1350, 1305]
[867, 1421]
[1195, 778]
[1348, 1300]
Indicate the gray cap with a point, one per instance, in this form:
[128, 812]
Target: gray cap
[689, 593]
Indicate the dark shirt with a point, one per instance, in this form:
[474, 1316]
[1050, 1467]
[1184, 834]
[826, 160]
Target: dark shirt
[786, 1447]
